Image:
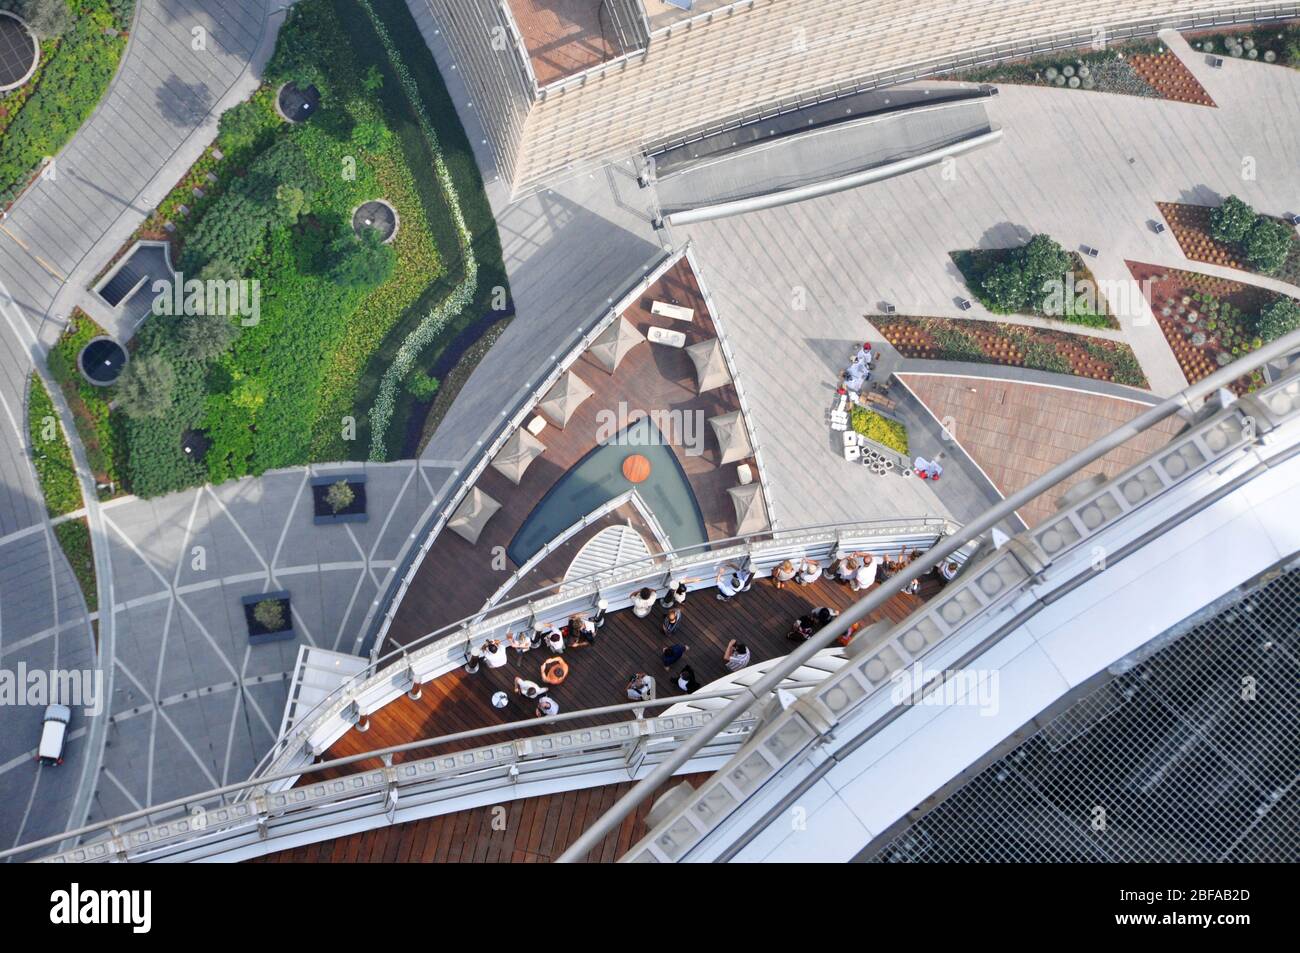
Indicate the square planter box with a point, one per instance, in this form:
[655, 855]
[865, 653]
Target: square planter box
[257, 634]
[354, 513]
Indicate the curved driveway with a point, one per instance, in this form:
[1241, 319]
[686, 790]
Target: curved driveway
[159, 113]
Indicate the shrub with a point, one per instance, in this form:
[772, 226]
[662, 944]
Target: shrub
[361, 261]
[1279, 318]
[245, 127]
[1232, 220]
[146, 386]
[421, 386]
[47, 18]
[1268, 244]
[202, 337]
[372, 136]
[269, 614]
[339, 496]
[1007, 289]
[50, 454]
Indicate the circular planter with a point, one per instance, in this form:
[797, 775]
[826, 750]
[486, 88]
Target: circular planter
[295, 104]
[19, 51]
[101, 361]
[376, 214]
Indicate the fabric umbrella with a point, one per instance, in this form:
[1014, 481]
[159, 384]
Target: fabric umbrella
[564, 398]
[472, 515]
[733, 438]
[614, 343]
[519, 451]
[751, 508]
[710, 365]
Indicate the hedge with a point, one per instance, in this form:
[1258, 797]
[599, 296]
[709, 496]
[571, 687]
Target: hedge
[51, 457]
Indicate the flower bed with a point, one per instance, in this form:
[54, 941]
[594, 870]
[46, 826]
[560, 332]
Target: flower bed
[1191, 226]
[882, 430]
[1086, 306]
[1280, 45]
[100, 432]
[1209, 322]
[991, 342]
[1138, 68]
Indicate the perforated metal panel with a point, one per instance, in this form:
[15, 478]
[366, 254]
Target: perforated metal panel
[1191, 755]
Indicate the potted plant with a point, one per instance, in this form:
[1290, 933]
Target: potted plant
[269, 617]
[339, 498]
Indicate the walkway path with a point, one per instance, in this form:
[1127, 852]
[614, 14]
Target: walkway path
[158, 115]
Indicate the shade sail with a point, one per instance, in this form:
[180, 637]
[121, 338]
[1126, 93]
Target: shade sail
[472, 515]
[519, 451]
[614, 343]
[733, 437]
[564, 398]
[751, 508]
[710, 365]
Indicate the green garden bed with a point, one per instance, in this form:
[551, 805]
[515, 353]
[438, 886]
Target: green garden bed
[100, 431]
[1011, 281]
[1280, 45]
[324, 363]
[74, 539]
[38, 118]
[51, 456]
[881, 429]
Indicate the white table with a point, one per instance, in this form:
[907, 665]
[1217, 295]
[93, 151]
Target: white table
[674, 311]
[536, 426]
[666, 337]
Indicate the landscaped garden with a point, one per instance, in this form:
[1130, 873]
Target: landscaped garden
[1280, 45]
[1134, 68]
[990, 342]
[1236, 236]
[1209, 322]
[101, 431]
[81, 43]
[347, 322]
[1039, 278]
[881, 429]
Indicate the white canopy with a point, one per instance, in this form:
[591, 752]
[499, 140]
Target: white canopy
[733, 438]
[710, 365]
[519, 451]
[564, 398]
[472, 515]
[751, 508]
[614, 343]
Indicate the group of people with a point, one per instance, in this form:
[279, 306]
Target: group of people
[579, 632]
[730, 580]
[858, 372]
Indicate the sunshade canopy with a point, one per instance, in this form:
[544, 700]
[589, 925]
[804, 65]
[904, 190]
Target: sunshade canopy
[614, 343]
[472, 515]
[710, 365]
[751, 508]
[519, 451]
[564, 398]
[733, 438]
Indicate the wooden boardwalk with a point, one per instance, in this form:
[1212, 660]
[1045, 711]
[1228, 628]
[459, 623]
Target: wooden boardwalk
[459, 701]
[456, 578]
[532, 830]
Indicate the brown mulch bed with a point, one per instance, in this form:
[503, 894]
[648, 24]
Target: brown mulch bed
[1191, 226]
[1170, 77]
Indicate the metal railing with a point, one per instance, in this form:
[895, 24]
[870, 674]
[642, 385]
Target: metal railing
[1214, 440]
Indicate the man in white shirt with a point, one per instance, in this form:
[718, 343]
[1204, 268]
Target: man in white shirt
[494, 653]
[866, 573]
[528, 688]
[546, 705]
[731, 580]
[809, 571]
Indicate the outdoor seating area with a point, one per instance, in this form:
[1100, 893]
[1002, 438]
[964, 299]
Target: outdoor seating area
[676, 410]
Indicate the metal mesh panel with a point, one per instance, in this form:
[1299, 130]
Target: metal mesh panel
[1193, 755]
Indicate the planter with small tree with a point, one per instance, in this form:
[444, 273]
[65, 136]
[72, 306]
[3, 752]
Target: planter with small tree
[268, 617]
[339, 498]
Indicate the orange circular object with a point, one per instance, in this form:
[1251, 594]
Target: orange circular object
[636, 468]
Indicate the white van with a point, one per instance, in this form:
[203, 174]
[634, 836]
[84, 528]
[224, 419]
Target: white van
[54, 732]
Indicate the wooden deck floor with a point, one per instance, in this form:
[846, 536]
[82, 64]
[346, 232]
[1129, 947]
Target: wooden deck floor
[459, 701]
[456, 578]
[535, 830]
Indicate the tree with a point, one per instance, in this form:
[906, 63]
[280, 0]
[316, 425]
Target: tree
[1006, 288]
[1042, 260]
[1279, 318]
[201, 337]
[269, 614]
[421, 386]
[291, 203]
[1232, 220]
[47, 18]
[1268, 244]
[339, 496]
[242, 127]
[146, 386]
[362, 262]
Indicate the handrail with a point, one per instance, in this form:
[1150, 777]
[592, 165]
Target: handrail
[523, 609]
[1251, 426]
[115, 824]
